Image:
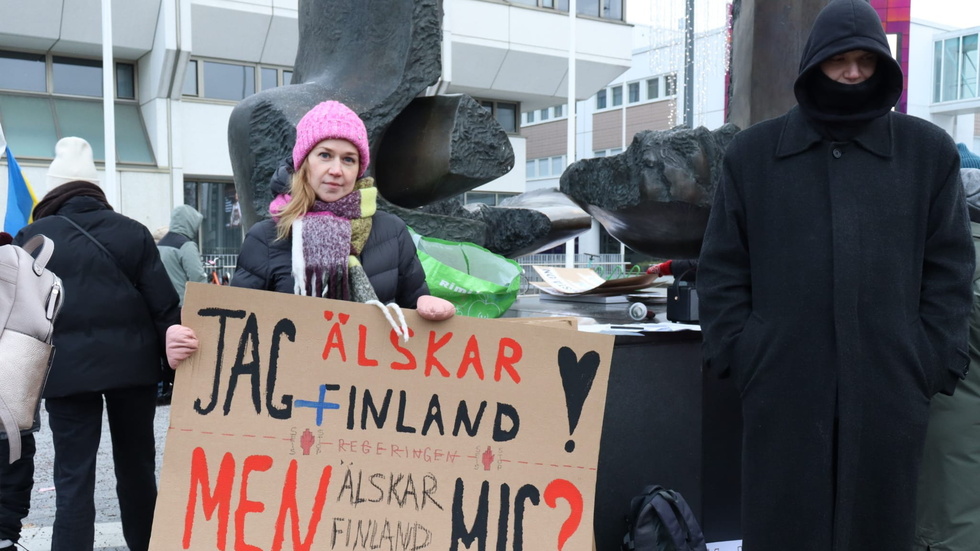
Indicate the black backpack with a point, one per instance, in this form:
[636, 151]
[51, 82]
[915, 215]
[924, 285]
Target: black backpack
[660, 520]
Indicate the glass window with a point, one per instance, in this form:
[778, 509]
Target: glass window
[28, 125]
[529, 169]
[612, 9]
[83, 119]
[507, 116]
[125, 81]
[480, 197]
[634, 91]
[937, 61]
[563, 5]
[557, 165]
[617, 96]
[131, 143]
[270, 78]
[559, 111]
[653, 88]
[190, 79]
[600, 153]
[530, 116]
[525, 2]
[22, 71]
[544, 114]
[600, 99]
[968, 67]
[77, 77]
[670, 85]
[228, 81]
[615, 151]
[221, 229]
[287, 77]
[950, 59]
[588, 7]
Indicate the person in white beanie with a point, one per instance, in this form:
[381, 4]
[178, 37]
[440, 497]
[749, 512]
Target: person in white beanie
[73, 162]
[109, 356]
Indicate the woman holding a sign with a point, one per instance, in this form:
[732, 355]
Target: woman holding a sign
[325, 237]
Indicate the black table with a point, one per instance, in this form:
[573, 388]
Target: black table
[664, 424]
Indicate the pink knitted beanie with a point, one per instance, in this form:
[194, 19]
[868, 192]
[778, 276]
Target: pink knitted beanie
[330, 120]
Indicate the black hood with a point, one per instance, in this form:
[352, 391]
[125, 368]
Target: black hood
[842, 26]
[281, 180]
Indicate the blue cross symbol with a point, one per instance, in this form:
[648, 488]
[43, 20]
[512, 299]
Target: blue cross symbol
[320, 404]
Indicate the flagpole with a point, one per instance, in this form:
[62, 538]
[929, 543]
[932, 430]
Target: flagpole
[109, 184]
[570, 145]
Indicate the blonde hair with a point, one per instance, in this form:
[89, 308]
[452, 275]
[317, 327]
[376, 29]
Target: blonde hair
[301, 199]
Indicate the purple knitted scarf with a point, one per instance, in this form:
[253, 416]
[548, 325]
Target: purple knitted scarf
[326, 243]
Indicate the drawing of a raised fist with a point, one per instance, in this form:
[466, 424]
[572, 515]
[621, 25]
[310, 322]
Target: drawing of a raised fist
[487, 459]
[306, 441]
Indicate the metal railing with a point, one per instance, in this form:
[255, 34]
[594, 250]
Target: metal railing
[220, 268]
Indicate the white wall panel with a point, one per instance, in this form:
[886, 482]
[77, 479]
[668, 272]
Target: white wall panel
[513, 181]
[233, 34]
[147, 197]
[204, 139]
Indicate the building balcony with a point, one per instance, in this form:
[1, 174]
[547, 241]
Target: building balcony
[510, 51]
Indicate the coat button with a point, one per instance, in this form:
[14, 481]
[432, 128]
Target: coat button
[837, 153]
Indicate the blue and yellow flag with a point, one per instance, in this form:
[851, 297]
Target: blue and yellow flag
[20, 197]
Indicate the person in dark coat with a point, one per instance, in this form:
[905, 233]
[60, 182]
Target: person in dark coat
[325, 237]
[835, 288]
[105, 355]
[948, 505]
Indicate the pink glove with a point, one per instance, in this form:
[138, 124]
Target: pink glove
[435, 308]
[181, 343]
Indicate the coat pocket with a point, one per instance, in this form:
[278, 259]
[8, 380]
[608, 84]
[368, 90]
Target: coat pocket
[747, 354]
[924, 365]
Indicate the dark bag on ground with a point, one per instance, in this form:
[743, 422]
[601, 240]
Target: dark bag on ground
[660, 520]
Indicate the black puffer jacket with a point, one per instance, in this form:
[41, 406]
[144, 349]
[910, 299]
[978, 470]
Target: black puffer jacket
[111, 329]
[389, 259]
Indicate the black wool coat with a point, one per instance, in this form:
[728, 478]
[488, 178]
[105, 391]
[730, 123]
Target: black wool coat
[389, 258]
[834, 286]
[111, 331]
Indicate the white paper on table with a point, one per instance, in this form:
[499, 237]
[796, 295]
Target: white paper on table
[636, 328]
[569, 280]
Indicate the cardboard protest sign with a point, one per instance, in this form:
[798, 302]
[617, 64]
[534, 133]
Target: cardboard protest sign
[305, 423]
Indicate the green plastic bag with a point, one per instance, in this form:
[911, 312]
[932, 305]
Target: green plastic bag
[481, 284]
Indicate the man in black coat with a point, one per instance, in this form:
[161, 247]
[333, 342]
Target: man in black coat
[109, 339]
[835, 288]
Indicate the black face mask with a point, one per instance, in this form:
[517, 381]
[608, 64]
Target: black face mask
[834, 101]
[839, 111]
